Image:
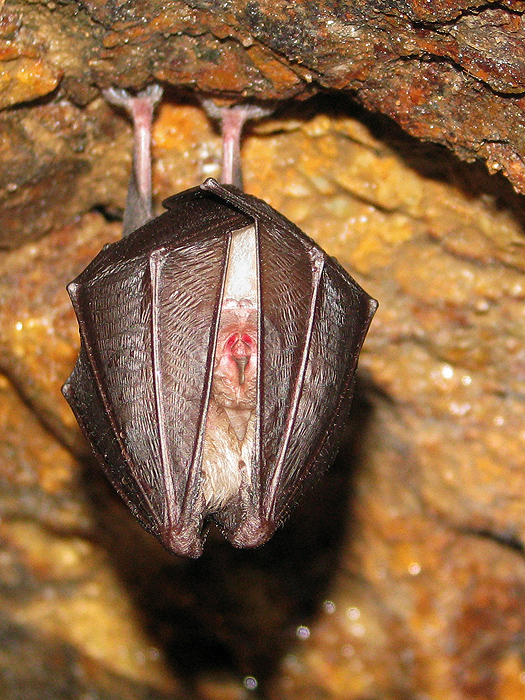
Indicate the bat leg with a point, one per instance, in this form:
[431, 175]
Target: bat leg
[232, 120]
[140, 107]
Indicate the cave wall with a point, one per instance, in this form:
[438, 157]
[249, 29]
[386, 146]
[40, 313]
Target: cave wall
[397, 144]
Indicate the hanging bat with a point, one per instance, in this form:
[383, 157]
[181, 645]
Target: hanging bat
[218, 350]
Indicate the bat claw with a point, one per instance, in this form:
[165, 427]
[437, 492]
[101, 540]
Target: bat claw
[119, 97]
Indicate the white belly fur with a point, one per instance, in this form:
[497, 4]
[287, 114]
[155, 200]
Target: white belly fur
[230, 424]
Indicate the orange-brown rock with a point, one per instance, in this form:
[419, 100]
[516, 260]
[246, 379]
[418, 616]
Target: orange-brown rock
[402, 575]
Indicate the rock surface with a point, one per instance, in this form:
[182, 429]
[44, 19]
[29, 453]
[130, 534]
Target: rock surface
[402, 575]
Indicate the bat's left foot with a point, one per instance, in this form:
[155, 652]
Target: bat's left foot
[140, 107]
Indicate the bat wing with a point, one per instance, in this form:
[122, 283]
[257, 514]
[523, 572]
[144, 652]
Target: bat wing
[314, 320]
[147, 307]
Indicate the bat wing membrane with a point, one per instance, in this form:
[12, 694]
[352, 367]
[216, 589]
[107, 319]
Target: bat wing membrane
[315, 319]
[84, 396]
[185, 319]
[147, 329]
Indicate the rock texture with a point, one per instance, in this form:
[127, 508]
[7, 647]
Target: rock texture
[402, 575]
[449, 72]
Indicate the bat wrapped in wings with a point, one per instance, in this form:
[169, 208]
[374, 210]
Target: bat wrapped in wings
[218, 350]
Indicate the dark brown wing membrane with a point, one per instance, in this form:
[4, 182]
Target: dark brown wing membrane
[84, 397]
[315, 319]
[146, 316]
[326, 382]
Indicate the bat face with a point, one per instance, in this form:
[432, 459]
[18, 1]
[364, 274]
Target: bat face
[218, 350]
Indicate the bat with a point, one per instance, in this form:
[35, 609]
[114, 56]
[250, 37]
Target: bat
[218, 350]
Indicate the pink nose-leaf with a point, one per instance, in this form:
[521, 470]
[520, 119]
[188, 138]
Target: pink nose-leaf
[239, 346]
